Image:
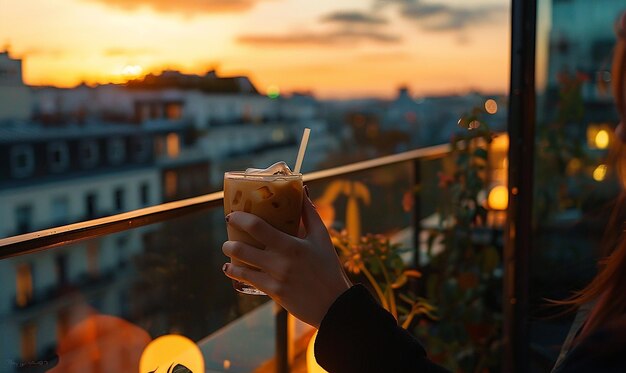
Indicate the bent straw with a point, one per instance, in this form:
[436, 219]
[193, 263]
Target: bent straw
[303, 143]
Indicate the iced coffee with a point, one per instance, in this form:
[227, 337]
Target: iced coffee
[274, 194]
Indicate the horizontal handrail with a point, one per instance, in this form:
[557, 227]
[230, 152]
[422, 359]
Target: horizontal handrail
[71, 233]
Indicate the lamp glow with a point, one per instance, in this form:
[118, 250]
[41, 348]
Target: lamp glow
[600, 172]
[498, 198]
[311, 364]
[602, 139]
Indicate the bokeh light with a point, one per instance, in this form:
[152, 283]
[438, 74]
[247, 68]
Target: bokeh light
[273, 92]
[602, 139]
[498, 198]
[600, 172]
[491, 106]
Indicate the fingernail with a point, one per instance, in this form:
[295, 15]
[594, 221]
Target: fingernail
[225, 267]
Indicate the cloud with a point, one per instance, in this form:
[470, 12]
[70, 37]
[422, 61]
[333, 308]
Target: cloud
[126, 52]
[354, 17]
[384, 57]
[334, 38]
[438, 16]
[184, 7]
[46, 52]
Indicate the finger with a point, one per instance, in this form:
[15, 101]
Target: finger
[259, 229]
[250, 255]
[259, 280]
[312, 221]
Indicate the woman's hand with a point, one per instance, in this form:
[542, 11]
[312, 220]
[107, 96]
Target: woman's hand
[303, 275]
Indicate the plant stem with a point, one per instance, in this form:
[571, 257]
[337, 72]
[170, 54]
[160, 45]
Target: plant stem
[377, 288]
[389, 290]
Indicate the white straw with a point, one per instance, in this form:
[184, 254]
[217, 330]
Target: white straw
[303, 143]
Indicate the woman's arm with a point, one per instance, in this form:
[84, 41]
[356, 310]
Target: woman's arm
[357, 335]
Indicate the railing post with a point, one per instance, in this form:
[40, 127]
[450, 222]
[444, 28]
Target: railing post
[282, 340]
[416, 180]
[521, 128]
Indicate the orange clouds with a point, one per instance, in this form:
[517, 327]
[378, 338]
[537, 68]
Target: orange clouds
[184, 7]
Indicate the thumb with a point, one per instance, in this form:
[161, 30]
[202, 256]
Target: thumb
[312, 221]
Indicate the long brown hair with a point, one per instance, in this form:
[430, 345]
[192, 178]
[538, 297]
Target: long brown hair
[609, 285]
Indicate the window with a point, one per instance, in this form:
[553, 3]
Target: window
[23, 218]
[63, 323]
[116, 150]
[60, 264]
[88, 151]
[93, 252]
[28, 345]
[91, 205]
[23, 284]
[118, 198]
[173, 111]
[59, 211]
[58, 156]
[144, 194]
[141, 149]
[575, 174]
[173, 145]
[22, 161]
[171, 184]
[121, 247]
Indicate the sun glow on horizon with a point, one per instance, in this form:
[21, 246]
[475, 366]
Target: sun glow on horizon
[95, 42]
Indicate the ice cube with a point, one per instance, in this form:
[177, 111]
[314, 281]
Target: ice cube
[263, 193]
[278, 168]
[237, 197]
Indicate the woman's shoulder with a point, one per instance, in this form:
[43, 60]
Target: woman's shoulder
[602, 351]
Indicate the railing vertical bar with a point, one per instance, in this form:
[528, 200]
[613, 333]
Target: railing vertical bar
[521, 123]
[282, 340]
[416, 184]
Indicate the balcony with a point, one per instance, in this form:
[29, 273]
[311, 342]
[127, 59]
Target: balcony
[173, 283]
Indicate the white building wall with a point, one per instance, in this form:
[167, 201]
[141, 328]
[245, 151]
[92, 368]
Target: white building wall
[40, 197]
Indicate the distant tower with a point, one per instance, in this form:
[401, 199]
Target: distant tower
[15, 96]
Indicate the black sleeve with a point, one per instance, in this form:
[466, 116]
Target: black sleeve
[602, 351]
[358, 335]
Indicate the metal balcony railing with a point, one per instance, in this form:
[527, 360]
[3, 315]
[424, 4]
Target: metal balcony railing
[55, 238]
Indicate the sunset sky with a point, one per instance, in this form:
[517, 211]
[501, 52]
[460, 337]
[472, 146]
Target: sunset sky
[335, 49]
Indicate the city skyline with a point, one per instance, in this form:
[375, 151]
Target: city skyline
[355, 49]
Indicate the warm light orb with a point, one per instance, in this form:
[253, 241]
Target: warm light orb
[311, 363]
[132, 71]
[602, 139]
[491, 106]
[273, 92]
[498, 198]
[600, 172]
[169, 351]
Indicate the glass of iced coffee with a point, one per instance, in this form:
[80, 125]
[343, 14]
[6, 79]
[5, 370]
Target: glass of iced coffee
[273, 194]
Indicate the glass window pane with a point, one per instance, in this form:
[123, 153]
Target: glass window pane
[576, 163]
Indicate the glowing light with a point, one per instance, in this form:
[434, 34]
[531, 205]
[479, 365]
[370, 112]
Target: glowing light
[273, 92]
[171, 350]
[498, 198]
[602, 139]
[173, 145]
[473, 125]
[311, 363]
[491, 106]
[226, 364]
[600, 172]
[132, 70]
